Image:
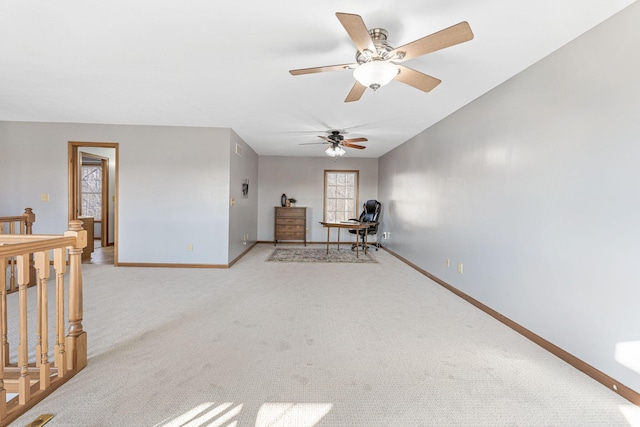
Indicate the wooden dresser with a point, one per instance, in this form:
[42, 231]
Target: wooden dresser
[290, 224]
[87, 224]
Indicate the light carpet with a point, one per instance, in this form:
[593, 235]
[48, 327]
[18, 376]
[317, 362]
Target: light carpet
[310, 344]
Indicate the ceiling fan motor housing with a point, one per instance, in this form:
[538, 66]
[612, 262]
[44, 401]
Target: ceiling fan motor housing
[383, 47]
[335, 136]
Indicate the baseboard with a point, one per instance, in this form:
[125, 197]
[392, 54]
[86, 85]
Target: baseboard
[612, 384]
[168, 265]
[242, 254]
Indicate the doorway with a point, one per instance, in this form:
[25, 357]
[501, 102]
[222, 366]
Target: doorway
[93, 195]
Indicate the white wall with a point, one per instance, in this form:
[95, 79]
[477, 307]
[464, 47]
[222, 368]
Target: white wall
[534, 188]
[173, 188]
[303, 179]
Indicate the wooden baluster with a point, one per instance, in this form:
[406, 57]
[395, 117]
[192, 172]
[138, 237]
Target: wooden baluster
[24, 390]
[27, 228]
[60, 267]
[42, 260]
[76, 340]
[4, 352]
[12, 263]
[38, 309]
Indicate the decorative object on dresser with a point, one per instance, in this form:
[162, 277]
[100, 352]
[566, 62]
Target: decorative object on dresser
[283, 200]
[290, 224]
[292, 201]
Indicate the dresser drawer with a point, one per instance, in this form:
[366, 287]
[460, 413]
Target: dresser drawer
[289, 235]
[291, 229]
[291, 212]
[289, 221]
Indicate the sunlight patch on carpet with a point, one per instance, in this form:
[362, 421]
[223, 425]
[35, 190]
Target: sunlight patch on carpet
[319, 255]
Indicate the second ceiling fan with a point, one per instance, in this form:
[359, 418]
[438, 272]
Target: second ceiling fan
[336, 143]
[377, 60]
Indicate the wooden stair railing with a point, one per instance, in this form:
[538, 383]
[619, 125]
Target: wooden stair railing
[30, 366]
[19, 224]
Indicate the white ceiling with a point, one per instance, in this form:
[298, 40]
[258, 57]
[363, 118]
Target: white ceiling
[225, 64]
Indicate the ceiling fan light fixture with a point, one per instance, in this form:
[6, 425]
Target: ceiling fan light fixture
[375, 74]
[334, 151]
[330, 152]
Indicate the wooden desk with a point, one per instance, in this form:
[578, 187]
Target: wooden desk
[352, 225]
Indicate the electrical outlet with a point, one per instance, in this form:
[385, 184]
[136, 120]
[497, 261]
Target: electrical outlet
[44, 197]
[447, 262]
[190, 247]
[460, 268]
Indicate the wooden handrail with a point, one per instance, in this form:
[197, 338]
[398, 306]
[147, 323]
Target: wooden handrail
[25, 222]
[22, 225]
[26, 368]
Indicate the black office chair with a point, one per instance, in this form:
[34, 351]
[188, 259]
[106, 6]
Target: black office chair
[370, 213]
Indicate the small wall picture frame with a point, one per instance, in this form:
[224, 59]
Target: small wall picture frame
[245, 188]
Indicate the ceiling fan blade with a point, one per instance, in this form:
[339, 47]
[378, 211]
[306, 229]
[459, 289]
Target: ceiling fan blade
[357, 31]
[322, 69]
[416, 79]
[326, 139]
[356, 92]
[451, 36]
[356, 140]
[359, 147]
[312, 143]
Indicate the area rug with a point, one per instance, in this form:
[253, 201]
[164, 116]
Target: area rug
[319, 255]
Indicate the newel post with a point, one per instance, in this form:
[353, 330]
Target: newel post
[76, 339]
[30, 218]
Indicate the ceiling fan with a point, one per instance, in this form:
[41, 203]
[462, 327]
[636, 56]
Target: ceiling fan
[336, 141]
[377, 60]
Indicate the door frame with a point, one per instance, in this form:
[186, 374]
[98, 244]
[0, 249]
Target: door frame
[73, 151]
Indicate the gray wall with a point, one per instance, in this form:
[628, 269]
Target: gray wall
[534, 188]
[243, 213]
[173, 189]
[303, 178]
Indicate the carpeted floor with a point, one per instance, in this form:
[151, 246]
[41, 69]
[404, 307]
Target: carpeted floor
[310, 344]
[320, 255]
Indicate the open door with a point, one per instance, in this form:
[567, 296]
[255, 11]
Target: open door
[93, 189]
[93, 193]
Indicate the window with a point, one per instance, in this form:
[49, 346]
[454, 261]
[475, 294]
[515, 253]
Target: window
[91, 189]
[340, 195]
